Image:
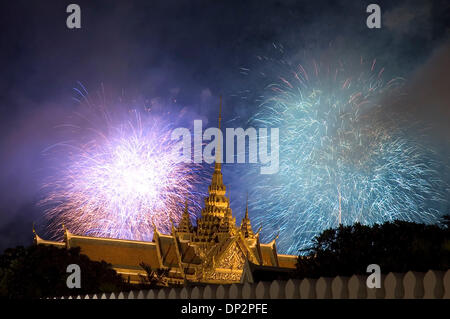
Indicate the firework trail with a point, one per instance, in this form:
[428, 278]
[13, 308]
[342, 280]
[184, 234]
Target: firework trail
[344, 157]
[121, 178]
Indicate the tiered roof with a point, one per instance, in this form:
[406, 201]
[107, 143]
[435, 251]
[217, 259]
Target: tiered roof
[190, 251]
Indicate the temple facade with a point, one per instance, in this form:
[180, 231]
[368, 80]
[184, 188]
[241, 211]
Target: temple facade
[213, 251]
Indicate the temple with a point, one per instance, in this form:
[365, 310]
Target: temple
[213, 251]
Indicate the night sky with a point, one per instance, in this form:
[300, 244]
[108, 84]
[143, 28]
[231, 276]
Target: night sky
[184, 54]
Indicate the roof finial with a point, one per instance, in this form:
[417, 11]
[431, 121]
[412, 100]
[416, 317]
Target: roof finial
[173, 225]
[276, 237]
[186, 206]
[155, 231]
[218, 166]
[34, 230]
[220, 111]
[246, 208]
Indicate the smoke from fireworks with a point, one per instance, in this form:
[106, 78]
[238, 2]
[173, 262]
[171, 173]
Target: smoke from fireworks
[122, 177]
[344, 157]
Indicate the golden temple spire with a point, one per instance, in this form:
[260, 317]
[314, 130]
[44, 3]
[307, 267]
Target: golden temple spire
[246, 208]
[218, 165]
[186, 207]
[217, 178]
[246, 227]
[185, 217]
[185, 224]
[217, 205]
[220, 111]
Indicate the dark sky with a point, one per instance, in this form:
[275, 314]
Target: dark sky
[190, 51]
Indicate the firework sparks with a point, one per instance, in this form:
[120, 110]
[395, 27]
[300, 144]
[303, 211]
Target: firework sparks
[123, 180]
[344, 158]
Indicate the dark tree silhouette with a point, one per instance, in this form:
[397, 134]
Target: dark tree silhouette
[155, 277]
[40, 271]
[396, 246]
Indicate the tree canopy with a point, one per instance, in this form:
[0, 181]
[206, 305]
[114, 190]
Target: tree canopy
[40, 271]
[397, 246]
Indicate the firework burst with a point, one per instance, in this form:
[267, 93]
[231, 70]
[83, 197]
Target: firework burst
[123, 178]
[344, 157]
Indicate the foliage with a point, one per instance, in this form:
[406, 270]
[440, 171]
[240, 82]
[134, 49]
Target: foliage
[397, 246]
[155, 277]
[40, 271]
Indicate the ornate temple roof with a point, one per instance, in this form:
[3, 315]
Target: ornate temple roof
[215, 250]
[246, 227]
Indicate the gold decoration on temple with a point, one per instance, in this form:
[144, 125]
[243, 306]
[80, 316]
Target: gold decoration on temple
[213, 251]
